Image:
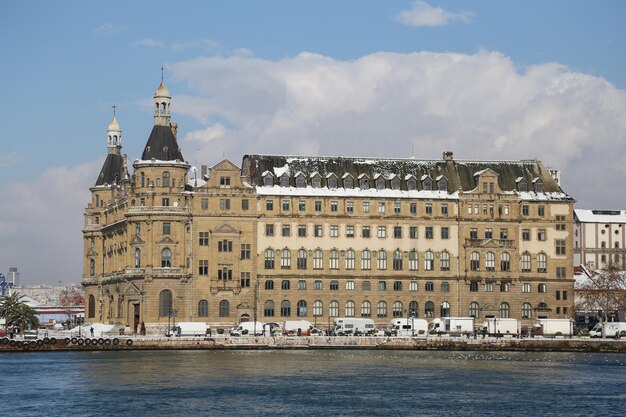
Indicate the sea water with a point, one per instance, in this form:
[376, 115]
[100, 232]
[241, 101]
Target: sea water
[312, 383]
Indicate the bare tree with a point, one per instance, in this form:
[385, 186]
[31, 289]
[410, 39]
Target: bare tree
[605, 290]
[69, 299]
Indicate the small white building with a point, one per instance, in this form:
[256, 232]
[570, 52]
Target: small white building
[599, 238]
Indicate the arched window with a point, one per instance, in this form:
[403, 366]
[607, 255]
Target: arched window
[397, 309]
[382, 260]
[542, 263]
[366, 260]
[413, 309]
[165, 303]
[413, 260]
[224, 308]
[203, 308]
[285, 259]
[166, 258]
[333, 309]
[318, 308]
[525, 262]
[381, 309]
[475, 261]
[166, 179]
[285, 308]
[445, 261]
[334, 285]
[429, 261]
[350, 256]
[334, 259]
[366, 309]
[350, 308]
[91, 307]
[490, 261]
[504, 310]
[301, 308]
[269, 284]
[527, 311]
[445, 309]
[397, 261]
[474, 310]
[92, 267]
[505, 262]
[318, 259]
[269, 259]
[137, 258]
[429, 309]
[302, 256]
[268, 309]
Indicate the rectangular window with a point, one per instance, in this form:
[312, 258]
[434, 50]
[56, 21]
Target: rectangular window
[560, 272]
[349, 231]
[245, 251]
[397, 232]
[429, 208]
[224, 204]
[366, 286]
[365, 231]
[165, 202]
[203, 267]
[203, 238]
[225, 246]
[245, 280]
[469, 209]
[166, 228]
[413, 286]
[269, 230]
[366, 207]
[349, 207]
[334, 230]
[318, 230]
[524, 210]
[444, 209]
[558, 295]
[225, 274]
[333, 206]
[488, 233]
[301, 230]
[564, 295]
[381, 208]
[245, 205]
[444, 233]
[484, 209]
[526, 287]
[413, 208]
[224, 181]
[560, 247]
[204, 203]
[302, 205]
[382, 231]
[269, 205]
[429, 232]
[286, 205]
[489, 287]
[473, 233]
[350, 285]
[286, 230]
[506, 209]
[397, 207]
[526, 234]
[413, 232]
[541, 211]
[541, 235]
[318, 205]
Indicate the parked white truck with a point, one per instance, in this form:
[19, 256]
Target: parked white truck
[191, 328]
[248, 328]
[299, 328]
[452, 325]
[350, 325]
[409, 327]
[497, 327]
[613, 329]
[550, 327]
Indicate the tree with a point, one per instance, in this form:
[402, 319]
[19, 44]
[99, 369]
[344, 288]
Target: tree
[17, 312]
[69, 299]
[604, 290]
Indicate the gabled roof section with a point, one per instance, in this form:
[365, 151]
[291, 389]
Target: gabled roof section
[162, 145]
[112, 171]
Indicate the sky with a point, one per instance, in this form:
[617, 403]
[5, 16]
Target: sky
[485, 80]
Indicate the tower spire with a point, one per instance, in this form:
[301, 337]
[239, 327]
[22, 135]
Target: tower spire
[114, 134]
[162, 100]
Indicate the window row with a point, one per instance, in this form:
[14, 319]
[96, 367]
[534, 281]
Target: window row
[379, 258]
[350, 285]
[349, 309]
[397, 232]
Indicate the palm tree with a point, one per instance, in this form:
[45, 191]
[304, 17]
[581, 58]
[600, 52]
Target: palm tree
[17, 312]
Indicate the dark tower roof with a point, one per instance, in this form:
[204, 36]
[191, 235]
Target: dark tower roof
[162, 145]
[112, 170]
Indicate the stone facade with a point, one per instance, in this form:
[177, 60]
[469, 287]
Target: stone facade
[316, 238]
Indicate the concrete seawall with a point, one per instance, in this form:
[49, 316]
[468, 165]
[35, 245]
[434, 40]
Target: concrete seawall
[320, 342]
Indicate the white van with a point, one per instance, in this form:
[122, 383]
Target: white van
[191, 328]
[248, 328]
[350, 325]
[613, 329]
[409, 327]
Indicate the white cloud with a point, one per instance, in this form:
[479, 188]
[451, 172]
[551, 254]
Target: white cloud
[211, 133]
[423, 14]
[41, 223]
[479, 106]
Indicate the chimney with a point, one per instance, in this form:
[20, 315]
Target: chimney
[448, 156]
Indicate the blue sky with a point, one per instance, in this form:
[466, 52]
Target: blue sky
[488, 79]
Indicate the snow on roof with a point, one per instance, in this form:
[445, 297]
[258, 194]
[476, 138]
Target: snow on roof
[346, 175]
[440, 177]
[377, 175]
[332, 174]
[363, 176]
[600, 216]
[277, 190]
[196, 182]
[280, 171]
[266, 173]
[481, 172]
[315, 174]
[408, 177]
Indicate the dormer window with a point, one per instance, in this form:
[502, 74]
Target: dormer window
[364, 182]
[348, 182]
[380, 182]
[522, 185]
[538, 185]
[427, 183]
[442, 183]
[316, 180]
[284, 180]
[395, 183]
[300, 180]
[268, 179]
[411, 183]
[331, 181]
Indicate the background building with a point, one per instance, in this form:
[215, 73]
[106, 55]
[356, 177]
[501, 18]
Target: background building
[317, 238]
[599, 238]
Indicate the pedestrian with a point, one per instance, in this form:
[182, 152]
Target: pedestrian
[91, 331]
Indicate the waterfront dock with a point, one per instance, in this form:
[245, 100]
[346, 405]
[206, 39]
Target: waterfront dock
[315, 342]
